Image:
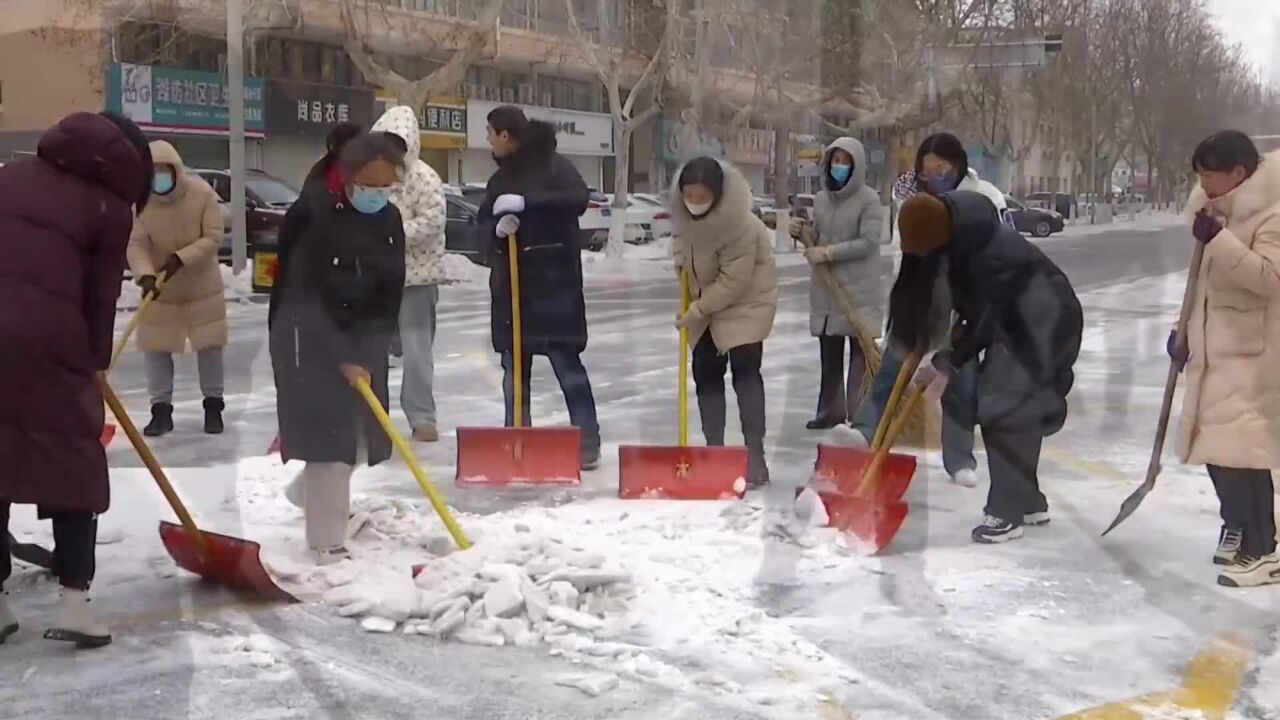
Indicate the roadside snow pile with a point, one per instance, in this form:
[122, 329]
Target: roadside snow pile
[459, 270]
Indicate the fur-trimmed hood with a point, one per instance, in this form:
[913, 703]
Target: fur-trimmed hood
[730, 218]
[1258, 193]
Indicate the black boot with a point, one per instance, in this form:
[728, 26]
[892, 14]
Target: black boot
[213, 408]
[161, 420]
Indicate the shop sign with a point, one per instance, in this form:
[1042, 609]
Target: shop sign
[163, 99]
[577, 133]
[751, 147]
[309, 109]
[671, 143]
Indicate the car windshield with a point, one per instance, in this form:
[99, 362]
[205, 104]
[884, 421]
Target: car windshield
[272, 192]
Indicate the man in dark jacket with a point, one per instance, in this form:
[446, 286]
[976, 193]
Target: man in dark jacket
[1018, 311]
[65, 219]
[538, 195]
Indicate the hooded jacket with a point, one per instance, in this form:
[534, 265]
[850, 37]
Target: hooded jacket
[420, 200]
[1017, 309]
[1231, 405]
[65, 218]
[186, 222]
[554, 313]
[850, 220]
[733, 277]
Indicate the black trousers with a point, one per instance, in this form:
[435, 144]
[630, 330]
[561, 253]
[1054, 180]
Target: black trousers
[1248, 504]
[838, 397]
[1013, 460]
[709, 367]
[75, 535]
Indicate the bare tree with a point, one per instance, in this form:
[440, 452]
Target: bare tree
[361, 17]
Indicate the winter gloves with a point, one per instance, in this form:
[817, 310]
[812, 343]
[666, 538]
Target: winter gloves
[508, 225]
[150, 291]
[151, 285]
[1178, 351]
[508, 204]
[924, 224]
[818, 255]
[171, 267]
[1206, 227]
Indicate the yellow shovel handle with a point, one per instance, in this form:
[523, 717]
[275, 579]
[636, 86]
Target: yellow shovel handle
[683, 384]
[905, 373]
[437, 502]
[517, 332]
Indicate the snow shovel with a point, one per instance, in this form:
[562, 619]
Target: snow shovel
[419, 474]
[1132, 502]
[682, 472]
[863, 489]
[518, 455]
[30, 553]
[222, 559]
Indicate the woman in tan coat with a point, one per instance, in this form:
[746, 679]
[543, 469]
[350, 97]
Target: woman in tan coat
[173, 254]
[1231, 408]
[733, 280]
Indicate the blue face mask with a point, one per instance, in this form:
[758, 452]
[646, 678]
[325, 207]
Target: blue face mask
[841, 173]
[369, 200]
[939, 183]
[162, 182]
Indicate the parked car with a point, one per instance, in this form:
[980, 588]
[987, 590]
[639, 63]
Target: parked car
[1058, 202]
[655, 208]
[460, 230]
[267, 199]
[1038, 222]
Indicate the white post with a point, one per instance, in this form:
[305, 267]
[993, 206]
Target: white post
[235, 111]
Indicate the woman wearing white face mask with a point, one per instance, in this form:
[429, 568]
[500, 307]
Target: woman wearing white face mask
[733, 282]
[333, 311]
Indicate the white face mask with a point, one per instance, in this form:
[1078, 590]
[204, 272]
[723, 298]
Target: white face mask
[698, 209]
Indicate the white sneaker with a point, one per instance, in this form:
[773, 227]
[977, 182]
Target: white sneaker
[75, 622]
[847, 436]
[966, 478]
[293, 492]
[994, 531]
[1229, 541]
[1036, 519]
[1251, 571]
[8, 621]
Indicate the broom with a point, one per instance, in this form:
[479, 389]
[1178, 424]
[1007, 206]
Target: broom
[915, 433]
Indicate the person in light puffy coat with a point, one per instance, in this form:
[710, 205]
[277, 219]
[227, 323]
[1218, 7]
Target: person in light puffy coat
[173, 254]
[1231, 403]
[420, 199]
[849, 222]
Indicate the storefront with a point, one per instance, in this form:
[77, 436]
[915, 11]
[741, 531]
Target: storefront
[299, 116]
[671, 152]
[751, 150]
[443, 126]
[584, 138]
[188, 108]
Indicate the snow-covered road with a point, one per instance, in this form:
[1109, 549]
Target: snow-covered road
[1056, 623]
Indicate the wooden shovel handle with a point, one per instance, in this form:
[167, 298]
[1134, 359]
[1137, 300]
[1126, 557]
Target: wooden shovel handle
[905, 373]
[871, 478]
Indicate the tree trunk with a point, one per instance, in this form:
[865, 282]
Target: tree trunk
[781, 186]
[622, 133]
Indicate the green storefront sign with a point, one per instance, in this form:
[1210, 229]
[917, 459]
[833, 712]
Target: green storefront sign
[161, 99]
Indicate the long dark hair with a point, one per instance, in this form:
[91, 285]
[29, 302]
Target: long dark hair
[920, 303]
[949, 148]
[367, 147]
[338, 137]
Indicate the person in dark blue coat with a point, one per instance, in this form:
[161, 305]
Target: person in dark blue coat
[539, 195]
[1018, 315]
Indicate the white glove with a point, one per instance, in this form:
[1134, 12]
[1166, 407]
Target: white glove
[508, 204]
[508, 225]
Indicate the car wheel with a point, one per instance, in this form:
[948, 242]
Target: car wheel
[1042, 229]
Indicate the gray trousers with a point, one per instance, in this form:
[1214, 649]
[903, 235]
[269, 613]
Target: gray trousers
[160, 374]
[323, 491]
[417, 335]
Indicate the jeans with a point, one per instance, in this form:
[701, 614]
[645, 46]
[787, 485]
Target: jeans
[160, 374]
[75, 535]
[574, 383]
[417, 335]
[1248, 504]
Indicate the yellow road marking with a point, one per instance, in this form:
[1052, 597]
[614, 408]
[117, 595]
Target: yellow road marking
[1209, 685]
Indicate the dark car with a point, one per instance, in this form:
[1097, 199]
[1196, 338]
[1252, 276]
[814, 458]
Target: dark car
[1041, 223]
[1059, 202]
[460, 235]
[267, 199]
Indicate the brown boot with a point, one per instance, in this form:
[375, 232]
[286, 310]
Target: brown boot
[426, 434]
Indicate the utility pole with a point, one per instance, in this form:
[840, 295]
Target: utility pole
[1093, 114]
[235, 111]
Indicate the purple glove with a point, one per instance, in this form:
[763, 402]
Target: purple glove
[1177, 352]
[1206, 227]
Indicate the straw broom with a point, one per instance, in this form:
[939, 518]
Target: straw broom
[915, 432]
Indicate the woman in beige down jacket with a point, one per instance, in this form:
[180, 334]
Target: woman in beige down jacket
[1231, 408]
[733, 281]
[176, 239]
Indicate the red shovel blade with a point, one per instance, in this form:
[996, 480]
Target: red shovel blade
[682, 473]
[497, 457]
[874, 524]
[840, 470]
[108, 434]
[230, 562]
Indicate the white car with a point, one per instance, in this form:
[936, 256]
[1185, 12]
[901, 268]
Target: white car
[655, 209]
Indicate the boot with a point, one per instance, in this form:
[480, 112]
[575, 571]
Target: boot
[161, 420]
[757, 467]
[8, 621]
[75, 622]
[426, 434]
[590, 459]
[213, 408]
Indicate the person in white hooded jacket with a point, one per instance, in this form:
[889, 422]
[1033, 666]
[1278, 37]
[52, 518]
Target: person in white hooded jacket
[420, 199]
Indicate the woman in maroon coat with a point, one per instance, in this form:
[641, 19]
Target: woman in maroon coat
[65, 218]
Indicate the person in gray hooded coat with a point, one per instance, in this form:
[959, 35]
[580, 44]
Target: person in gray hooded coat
[849, 221]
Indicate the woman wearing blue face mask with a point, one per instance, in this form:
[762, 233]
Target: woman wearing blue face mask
[849, 224]
[333, 311]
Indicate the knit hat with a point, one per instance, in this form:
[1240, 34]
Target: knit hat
[924, 224]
